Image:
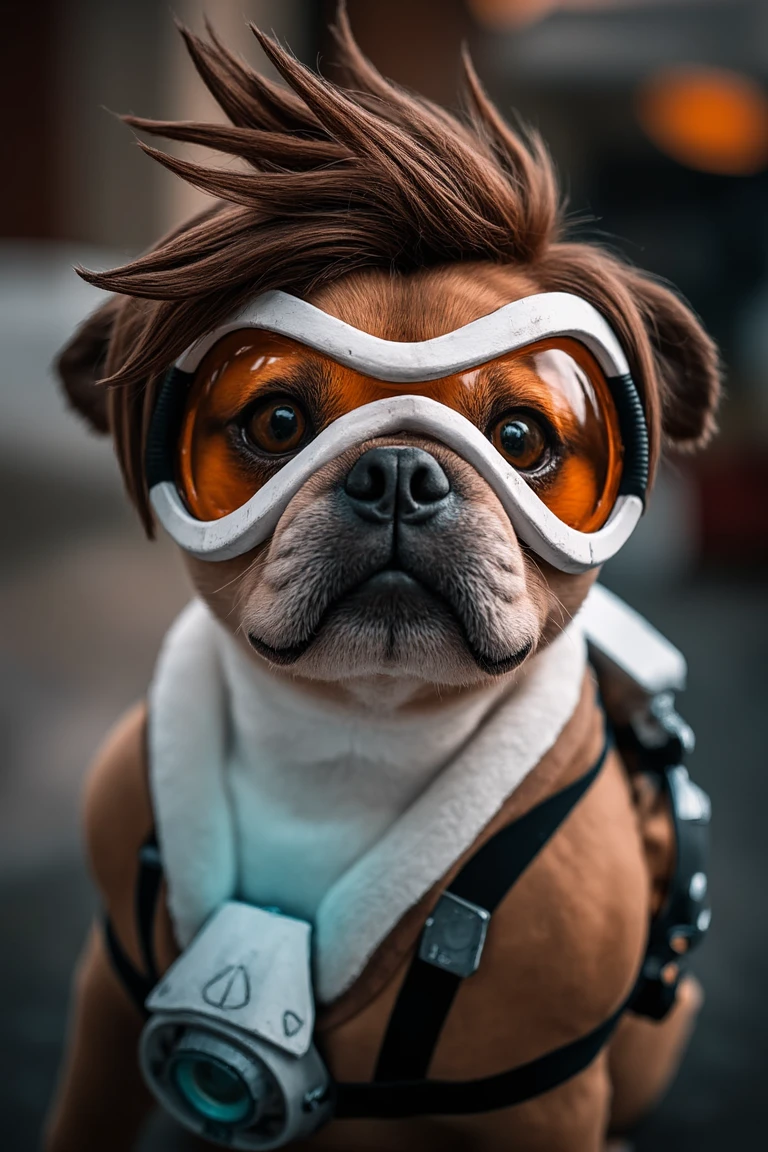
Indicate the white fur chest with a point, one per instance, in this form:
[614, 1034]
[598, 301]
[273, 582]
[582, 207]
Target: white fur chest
[314, 785]
[344, 816]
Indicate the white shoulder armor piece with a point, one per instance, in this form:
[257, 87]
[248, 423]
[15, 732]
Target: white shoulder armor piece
[627, 650]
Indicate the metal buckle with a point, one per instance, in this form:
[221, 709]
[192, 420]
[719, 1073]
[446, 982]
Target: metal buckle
[691, 803]
[661, 729]
[454, 935]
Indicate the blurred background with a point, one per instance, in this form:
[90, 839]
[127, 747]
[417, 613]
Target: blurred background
[657, 114]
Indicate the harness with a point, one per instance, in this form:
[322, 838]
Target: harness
[451, 944]
[450, 950]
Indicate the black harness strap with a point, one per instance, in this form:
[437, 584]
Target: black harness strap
[454, 1098]
[427, 992]
[147, 893]
[139, 984]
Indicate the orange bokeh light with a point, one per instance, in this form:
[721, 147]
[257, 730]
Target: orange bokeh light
[707, 118]
[502, 14]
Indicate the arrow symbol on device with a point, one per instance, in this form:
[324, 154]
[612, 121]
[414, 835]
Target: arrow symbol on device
[292, 1023]
[229, 989]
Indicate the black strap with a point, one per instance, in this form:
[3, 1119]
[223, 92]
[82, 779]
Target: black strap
[427, 992]
[164, 427]
[139, 984]
[684, 916]
[147, 892]
[454, 1098]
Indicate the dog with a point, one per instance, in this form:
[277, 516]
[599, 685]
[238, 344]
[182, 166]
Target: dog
[357, 703]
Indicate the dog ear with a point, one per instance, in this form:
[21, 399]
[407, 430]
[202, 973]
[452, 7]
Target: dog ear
[80, 364]
[687, 362]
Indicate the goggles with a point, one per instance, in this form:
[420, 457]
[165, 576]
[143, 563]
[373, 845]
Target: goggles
[563, 441]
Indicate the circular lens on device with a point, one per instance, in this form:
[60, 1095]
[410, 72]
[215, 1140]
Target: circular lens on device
[214, 1090]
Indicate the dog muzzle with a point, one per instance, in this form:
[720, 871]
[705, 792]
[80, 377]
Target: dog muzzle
[566, 370]
[228, 1047]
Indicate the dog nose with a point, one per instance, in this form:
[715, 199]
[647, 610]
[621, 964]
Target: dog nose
[403, 482]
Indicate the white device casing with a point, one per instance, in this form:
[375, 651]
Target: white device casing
[243, 984]
[619, 635]
[251, 969]
[638, 669]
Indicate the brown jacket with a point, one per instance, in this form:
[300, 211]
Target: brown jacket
[563, 949]
[562, 952]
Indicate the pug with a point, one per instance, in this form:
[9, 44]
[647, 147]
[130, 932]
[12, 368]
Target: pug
[395, 423]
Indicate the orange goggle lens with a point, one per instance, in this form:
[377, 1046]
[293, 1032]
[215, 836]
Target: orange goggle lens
[257, 399]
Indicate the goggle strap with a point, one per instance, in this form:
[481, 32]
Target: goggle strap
[164, 427]
[633, 430]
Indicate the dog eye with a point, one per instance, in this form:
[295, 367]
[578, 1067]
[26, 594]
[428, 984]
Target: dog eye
[275, 427]
[521, 439]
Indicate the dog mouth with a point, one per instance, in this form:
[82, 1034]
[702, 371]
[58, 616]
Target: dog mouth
[383, 592]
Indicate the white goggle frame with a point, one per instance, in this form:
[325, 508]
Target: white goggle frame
[523, 322]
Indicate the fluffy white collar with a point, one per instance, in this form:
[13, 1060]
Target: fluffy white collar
[337, 815]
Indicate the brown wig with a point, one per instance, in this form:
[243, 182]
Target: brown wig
[344, 177]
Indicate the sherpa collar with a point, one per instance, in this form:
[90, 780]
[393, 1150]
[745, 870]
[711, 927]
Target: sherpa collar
[198, 707]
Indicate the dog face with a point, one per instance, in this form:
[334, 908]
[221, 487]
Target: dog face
[396, 558]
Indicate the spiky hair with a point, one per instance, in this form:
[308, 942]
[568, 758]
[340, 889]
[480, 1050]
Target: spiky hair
[341, 177]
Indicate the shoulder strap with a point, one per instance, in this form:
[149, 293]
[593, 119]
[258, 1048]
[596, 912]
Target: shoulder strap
[434, 977]
[138, 984]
